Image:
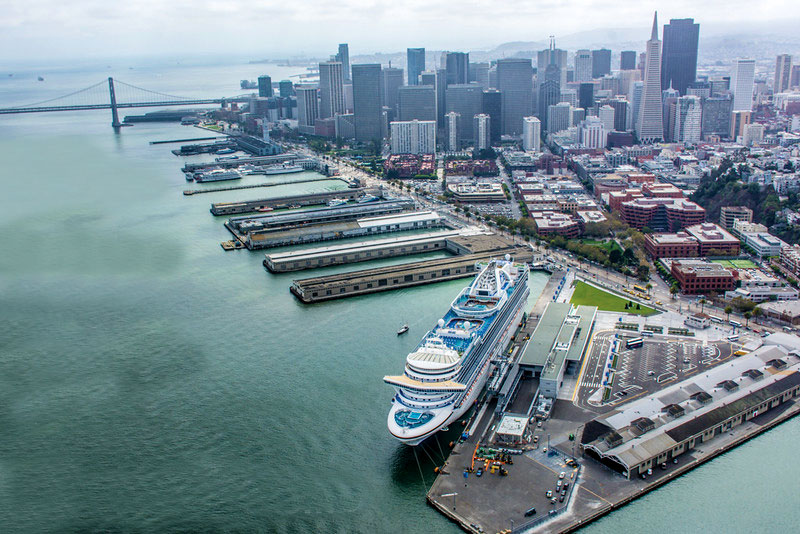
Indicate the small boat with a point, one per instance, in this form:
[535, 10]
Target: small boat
[265, 209]
[403, 330]
[189, 177]
[336, 202]
[41, 79]
[225, 151]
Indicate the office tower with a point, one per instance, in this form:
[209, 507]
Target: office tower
[679, 54]
[416, 102]
[577, 115]
[347, 90]
[627, 60]
[586, 95]
[622, 115]
[307, 108]
[391, 81]
[753, 133]
[687, 125]
[668, 99]
[739, 119]
[331, 89]
[531, 134]
[416, 64]
[583, 66]
[457, 67]
[479, 73]
[549, 85]
[783, 72]
[592, 133]
[286, 88]
[570, 75]
[795, 81]
[265, 86]
[493, 77]
[701, 89]
[515, 82]
[493, 106]
[743, 84]
[555, 56]
[344, 126]
[413, 137]
[465, 100]
[627, 79]
[569, 95]
[367, 101]
[481, 126]
[651, 126]
[601, 62]
[437, 79]
[343, 57]
[606, 115]
[451, 126]
[558, 117]
[717, 116]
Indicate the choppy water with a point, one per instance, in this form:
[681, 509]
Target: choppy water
[150, 381]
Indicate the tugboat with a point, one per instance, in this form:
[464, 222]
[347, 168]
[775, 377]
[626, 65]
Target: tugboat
[403, 329]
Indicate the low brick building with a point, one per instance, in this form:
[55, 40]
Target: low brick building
[701, 278]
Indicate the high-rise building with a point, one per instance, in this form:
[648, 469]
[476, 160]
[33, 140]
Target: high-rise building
[679, 54]
[586, 95]
[482, 129]
[549, 85]
[601, 62]
[515, 82]
[331, 89]
[452, 120]
[636, 103]
[650, 126]
[592, 133]
[416, 102]
[367, 101]
[493, 106]
[578, 114]
[416, 64]
[739, 119]
[701, 89]
[743, 84]
[391, 80]
[730, 214]
[559, 117]
[795, 81]
[688, 120]
[307, 108]
[265, 86]
[555, 56]
[466, 100]
[479, 73]
[753, 133]
[669, 97]
[622, 115]
[717, 116]
[606, 115]
[531, 134]
[783, 73]
[413, 137]
[627, 60]
[286, 88]
[457, 67]
[343, 57]
[569, 95]
[583, 66]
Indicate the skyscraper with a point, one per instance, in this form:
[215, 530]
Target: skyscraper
[286, 88]
[679, 63]
[482, 128]
[583, 66]
[636, 103]
[451, 127]
[717, 116]
[592, 133]
[343, 57]
[331, 89]
[559, 117]
[742, 84]
[457, 67]
[265, 86]
[627, 60]
[586, 95]
[413, 137]
[556, 56]
[465, 100]
[531, 134]
[515, 82]
[391, 81]
[479, 73]
[549, 86]
[606, 114]
[416, 64]
[493, 106]
[687, 122]
[622, 115]
[601, 62]
[307, 108]
[783, 72]
[651, 127]
[367, 101]
[416, 102]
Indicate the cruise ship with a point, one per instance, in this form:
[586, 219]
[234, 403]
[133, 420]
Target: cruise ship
[450, 366]
[217, 175]
[282, 169]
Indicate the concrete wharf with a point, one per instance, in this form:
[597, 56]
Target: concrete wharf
[309, 199]
[255, 160]
[189, 192]
[188, 140]
[365, 251]
[396, 276]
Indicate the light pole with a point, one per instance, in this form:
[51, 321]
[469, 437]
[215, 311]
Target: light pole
[453, 495]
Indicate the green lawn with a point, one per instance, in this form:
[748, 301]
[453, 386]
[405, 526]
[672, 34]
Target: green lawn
[608, 246]
[736, 264]
[587, 295]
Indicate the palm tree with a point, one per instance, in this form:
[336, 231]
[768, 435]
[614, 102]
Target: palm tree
[728, 311]
[747, 316]
[674, 290]
[649, 286]
[702, 305]
[757, 312]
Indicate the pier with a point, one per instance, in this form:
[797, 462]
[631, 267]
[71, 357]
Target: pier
[189, 140]
[229, 163]
[189, 192]
[310, 199]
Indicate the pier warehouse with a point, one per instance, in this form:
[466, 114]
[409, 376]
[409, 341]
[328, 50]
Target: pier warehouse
[653, 430]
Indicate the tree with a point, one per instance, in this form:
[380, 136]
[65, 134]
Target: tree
[649, 286]
[757, 312]
[728, 310]
[747, 316]
[702, 305]
[674, 289]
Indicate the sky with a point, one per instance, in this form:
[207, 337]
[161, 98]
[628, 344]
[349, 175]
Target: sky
[50, 29]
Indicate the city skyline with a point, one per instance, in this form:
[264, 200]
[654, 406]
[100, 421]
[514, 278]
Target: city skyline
[142, 27]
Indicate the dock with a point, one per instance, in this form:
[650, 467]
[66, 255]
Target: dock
[188, 140]
[391, 247]
[189, 192]
[255, 160]
[309, 199]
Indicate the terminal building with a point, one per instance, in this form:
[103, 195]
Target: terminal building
[653, 430]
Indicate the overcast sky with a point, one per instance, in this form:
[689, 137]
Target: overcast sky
[46, 29]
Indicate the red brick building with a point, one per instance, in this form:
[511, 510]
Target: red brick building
[700, 278]
[680, 245]
[711, 237]
[664, 214]
[554, 223]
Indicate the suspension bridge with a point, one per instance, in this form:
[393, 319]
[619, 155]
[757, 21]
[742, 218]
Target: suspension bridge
[111, 94]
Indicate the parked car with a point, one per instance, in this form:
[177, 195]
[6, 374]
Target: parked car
[530, 511]
[562, 474]
[479, 472]
[549, 493]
